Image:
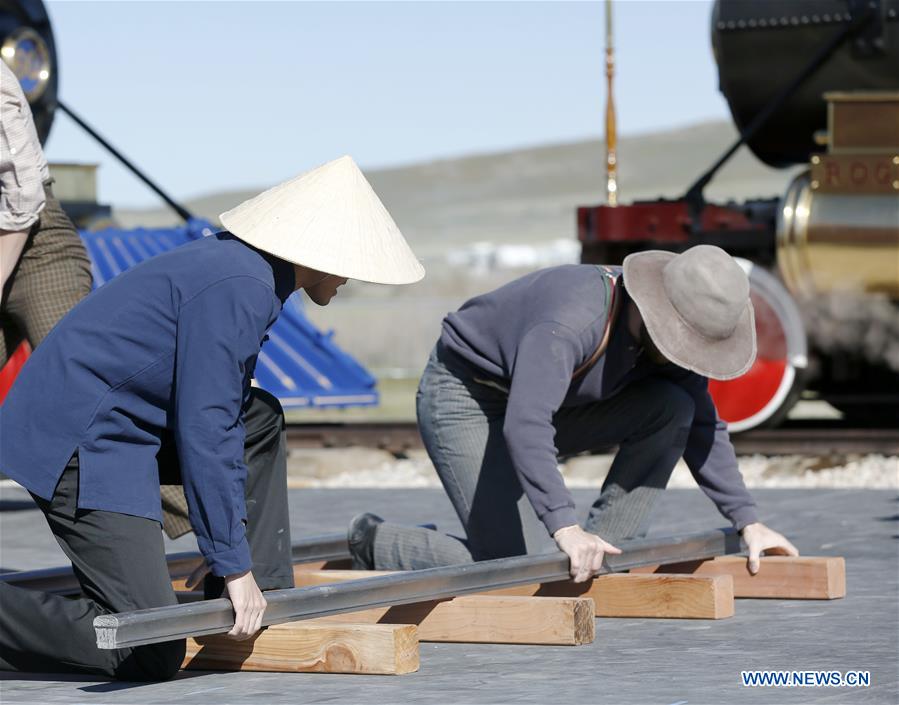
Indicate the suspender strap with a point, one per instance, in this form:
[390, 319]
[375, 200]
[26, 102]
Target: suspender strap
[610, 279]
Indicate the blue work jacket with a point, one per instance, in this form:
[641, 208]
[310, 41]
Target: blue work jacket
[168, 346]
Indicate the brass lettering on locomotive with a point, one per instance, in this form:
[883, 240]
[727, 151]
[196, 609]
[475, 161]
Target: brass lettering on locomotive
[855, 173]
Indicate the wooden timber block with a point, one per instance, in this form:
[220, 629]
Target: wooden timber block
[304, 576]
[783, 577]
[303, 647]
[618, 595]
[490, 619]
[669, 596]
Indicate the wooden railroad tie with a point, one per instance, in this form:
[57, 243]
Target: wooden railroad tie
[779, 577]
[667, 596]
[385, 639]
[472, 619]
[305, 647]
[616, 595]
[361, 638]
[490, 619]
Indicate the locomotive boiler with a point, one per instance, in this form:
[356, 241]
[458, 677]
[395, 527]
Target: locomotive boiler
[811, 82]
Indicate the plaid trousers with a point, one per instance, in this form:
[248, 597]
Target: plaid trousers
[52, 275]
[265, 455]
[174, 511]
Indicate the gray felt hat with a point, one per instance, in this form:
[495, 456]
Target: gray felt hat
[696, 308]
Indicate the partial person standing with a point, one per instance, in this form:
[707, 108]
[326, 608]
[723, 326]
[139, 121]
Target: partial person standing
[44, 269]
[148, 380]
[572, 359]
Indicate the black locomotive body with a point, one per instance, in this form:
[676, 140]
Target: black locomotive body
[812, 82]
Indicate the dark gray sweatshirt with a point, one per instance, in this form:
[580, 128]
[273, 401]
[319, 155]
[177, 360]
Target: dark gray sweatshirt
[532, 334]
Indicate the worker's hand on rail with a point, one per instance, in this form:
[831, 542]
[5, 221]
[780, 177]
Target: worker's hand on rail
[760, 539]
[584, 549]
[195, 579]
[248, 602]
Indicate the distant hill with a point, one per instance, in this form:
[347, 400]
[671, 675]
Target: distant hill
[530, 195]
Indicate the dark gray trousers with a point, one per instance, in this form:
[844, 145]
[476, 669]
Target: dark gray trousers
[461, 423]
[120, 563]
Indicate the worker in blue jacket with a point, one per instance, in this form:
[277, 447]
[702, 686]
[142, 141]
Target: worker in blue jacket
[148, 381]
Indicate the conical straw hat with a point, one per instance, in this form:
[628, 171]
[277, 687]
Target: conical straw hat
[329, 219]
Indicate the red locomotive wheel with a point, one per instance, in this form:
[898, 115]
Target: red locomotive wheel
[11, 369]
[766, 392]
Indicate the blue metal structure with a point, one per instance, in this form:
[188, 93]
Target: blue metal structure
[298, 363]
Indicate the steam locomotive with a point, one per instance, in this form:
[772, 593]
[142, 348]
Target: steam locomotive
[813, 82]
[27, 46]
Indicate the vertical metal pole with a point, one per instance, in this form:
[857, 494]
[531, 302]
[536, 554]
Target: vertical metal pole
[611, 135]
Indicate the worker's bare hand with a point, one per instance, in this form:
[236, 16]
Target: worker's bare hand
[248, 602]
[585, 550]
[760, 539]
[197, 574]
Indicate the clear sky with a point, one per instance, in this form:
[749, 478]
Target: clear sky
[208, 96]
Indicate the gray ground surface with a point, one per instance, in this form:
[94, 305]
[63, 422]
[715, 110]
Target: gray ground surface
[632, 661]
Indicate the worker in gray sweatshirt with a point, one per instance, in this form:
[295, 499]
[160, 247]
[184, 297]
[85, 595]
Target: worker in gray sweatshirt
[572, 359]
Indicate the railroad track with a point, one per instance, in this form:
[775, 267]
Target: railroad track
[796, 438]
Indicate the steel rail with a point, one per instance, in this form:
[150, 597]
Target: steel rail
[62, 580]
[393, 436]
[160, 624]
[795, 438]
[817, 441]
[325, 547]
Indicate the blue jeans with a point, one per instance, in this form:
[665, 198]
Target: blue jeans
[461, 423]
